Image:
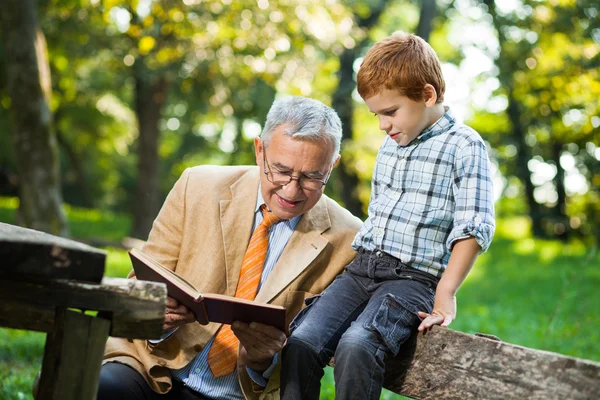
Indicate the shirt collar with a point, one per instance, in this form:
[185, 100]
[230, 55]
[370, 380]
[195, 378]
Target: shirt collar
[441, 125]
[259, 199]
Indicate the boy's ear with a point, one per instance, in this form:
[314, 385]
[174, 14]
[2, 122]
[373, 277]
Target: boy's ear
[429, 95]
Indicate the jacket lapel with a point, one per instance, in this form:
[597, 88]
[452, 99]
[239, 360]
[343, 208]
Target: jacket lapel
[237, 217]
[303, 247]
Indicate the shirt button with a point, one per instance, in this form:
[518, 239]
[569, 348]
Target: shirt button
[395, 196]
[401, 163]
[197, 370]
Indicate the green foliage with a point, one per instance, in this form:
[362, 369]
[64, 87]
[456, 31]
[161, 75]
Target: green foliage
[86, 224]
[92, 224]
[8, 205]
[546, 70]
[118, 263]
[225, 61]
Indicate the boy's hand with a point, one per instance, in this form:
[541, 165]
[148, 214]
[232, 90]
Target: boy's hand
[259, 343]
[444, 311]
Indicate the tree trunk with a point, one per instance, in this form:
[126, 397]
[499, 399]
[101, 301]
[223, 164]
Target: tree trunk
[150, 96]
[426, 19]
[34, 142]
[561, 219]
[344, 105]
[78, 167]
[522, 159]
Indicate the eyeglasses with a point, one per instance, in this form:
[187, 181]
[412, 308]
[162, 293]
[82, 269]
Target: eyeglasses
[284, 178]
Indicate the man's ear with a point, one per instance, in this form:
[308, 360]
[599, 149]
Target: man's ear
[336, 162]
[429, 95]
[258, 150]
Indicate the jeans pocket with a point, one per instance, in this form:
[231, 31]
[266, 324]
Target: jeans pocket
[429, 281]
[393, 322]
[302, 314]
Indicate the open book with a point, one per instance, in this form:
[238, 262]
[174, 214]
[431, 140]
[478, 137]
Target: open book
[207, 307]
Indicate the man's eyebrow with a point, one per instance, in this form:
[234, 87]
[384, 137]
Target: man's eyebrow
[282, 167]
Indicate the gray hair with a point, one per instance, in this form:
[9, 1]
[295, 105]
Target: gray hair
[306, 119]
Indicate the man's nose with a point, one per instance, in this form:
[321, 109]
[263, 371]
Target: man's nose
[292, 189]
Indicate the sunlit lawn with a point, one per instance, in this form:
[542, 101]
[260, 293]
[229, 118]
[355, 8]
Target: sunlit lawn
[535, 293]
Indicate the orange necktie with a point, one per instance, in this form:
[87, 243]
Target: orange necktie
[222, 356]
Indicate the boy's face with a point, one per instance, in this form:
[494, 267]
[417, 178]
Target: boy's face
[401, 118]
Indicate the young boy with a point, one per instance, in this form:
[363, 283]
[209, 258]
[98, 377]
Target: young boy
[431, 213]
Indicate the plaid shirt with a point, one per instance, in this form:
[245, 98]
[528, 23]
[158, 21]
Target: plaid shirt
[428, 194]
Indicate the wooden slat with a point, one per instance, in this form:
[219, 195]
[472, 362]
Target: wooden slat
[73, 357]
[136, 308]
[28, 254]
[446, 364]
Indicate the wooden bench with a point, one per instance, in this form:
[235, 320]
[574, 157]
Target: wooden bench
[451, 365]
[47, 284]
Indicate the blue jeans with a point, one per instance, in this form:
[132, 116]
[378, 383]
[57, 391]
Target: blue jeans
[362, 318]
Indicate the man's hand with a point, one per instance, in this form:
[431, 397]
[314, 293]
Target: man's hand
[176, 315]
[259, 343]
[444, 312]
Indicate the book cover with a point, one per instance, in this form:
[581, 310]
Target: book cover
[207, 307]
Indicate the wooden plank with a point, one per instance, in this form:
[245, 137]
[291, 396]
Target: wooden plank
[73, 357]
[23, 316]
[446, 364]
[136, 308]
[29, 254]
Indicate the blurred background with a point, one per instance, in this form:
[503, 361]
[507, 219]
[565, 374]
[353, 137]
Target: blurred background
[104, 103]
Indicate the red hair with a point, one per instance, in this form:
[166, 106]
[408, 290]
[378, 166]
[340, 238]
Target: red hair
[402, 62]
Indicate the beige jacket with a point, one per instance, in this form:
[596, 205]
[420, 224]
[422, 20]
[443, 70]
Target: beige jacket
[202, 232]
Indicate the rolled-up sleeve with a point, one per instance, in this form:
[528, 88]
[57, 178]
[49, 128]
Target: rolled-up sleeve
[474, 194]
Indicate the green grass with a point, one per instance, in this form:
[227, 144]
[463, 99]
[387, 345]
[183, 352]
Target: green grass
[534, 293]
[85, 224]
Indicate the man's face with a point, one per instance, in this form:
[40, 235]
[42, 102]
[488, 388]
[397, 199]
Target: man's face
[401, 118]
[296, 157]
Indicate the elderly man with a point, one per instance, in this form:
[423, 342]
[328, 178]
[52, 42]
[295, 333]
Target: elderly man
[210, 231]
